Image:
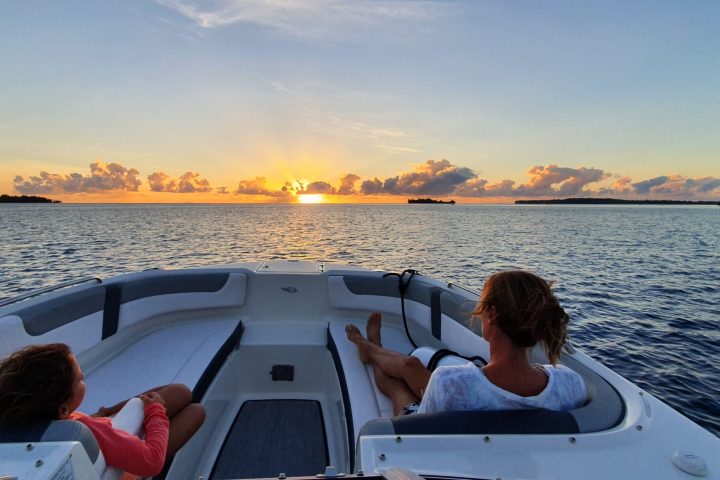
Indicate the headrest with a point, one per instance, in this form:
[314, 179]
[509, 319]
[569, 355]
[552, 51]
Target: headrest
[53, 431]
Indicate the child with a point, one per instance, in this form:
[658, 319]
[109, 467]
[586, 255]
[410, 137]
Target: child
[45, 382]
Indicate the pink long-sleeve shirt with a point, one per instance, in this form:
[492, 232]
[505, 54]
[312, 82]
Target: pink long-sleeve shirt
[127, 451]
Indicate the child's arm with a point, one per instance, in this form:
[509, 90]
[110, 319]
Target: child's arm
[128, 452]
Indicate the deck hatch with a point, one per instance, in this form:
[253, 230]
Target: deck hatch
[270, 437]
[283, 373]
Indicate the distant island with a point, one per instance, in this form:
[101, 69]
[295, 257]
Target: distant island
[25, 199]
[430, 200]
[611, 201]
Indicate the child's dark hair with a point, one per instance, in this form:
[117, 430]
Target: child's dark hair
[35, 382]
[526, 310]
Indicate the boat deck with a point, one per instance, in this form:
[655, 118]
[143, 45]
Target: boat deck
[304, 414]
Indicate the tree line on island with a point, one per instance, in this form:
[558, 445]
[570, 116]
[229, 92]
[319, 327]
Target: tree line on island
[25, 199]
[611, 201]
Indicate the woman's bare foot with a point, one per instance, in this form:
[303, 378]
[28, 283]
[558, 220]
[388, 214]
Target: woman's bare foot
[373, 328]
[354, 335]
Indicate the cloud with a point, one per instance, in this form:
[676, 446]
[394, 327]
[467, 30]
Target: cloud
[371, 187]
[392, 149]
[646, 185]
[555, 180]
[678, 186]
[702, 185]
[347, 184]
[189, 182]
[192, 183]
[258, 186]
[311, 19]
[162, 182]
[320, 187]
[352, 128]
[621, 186]
[480, 187]
[253, 187]
[103, 177]
[430, 178]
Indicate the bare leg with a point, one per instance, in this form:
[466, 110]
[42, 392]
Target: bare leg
[373, 334]
[176, 396]
[395, 389]
[398, 392]
[372, 328]
[185, 417]
[183, 426]
[393, 364]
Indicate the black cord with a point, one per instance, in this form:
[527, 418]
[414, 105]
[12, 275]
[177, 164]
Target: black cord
[403, 286]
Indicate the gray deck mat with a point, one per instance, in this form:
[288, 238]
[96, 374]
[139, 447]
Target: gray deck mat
[270, 437]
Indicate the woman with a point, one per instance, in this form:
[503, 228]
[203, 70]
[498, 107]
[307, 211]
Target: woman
[517, 310]
[45, 382]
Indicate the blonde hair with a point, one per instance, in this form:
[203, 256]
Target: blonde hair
[526, 311]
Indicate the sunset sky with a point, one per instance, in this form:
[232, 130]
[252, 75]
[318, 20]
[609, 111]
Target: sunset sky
[259, 101]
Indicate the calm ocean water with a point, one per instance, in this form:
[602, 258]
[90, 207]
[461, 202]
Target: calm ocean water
[642, 284]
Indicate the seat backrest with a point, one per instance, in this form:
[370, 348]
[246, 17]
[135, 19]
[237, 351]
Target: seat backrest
[53, 431]
[536, 421]
[604, 408]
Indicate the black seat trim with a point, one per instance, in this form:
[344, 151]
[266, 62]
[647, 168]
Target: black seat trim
[218, 360]
[345, 396]
[435, 313]
[111, 312]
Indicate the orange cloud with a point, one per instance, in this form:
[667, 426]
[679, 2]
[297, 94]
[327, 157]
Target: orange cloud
[347, 184]
[103, 177]
[114, 182]
[188, 182]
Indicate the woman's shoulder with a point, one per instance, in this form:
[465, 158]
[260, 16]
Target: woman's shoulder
[567, 384]
[562, 372]
[456, 376]
[452, 371]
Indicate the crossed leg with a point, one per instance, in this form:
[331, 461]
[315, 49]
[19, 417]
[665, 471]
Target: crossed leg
[401, 377]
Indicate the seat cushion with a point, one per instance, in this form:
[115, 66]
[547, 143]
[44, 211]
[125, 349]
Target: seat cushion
[366, 400]
[174, 354]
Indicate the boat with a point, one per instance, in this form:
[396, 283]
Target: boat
[430, 201]
[262, 345]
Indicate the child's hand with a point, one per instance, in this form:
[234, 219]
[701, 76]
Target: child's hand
[152, 397]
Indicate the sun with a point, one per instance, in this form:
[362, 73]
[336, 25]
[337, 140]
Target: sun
[311, 198]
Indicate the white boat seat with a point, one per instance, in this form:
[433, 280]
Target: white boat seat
[603, 409]
[85, 315]
[188, 353]
[364, 401]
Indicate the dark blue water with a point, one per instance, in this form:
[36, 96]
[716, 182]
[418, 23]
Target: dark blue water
[642, 284]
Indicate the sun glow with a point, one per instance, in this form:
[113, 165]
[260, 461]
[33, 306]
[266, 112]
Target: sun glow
[311, 198]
